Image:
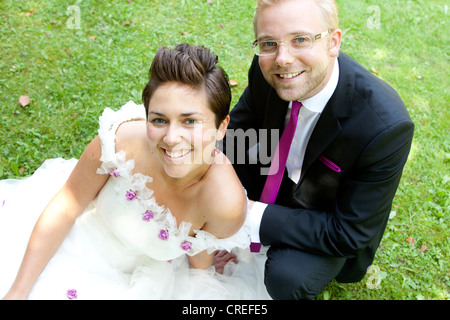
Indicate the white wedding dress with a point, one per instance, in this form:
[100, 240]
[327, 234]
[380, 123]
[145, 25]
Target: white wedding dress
[125, 245]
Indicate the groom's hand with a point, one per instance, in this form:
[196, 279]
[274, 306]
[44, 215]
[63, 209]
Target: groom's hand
[221, 258]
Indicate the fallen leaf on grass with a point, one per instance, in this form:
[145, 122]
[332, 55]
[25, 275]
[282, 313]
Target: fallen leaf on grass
[410, 240]
[24, 101]
[93, 37]
[127, 23]
[27, 14]
[424, 247]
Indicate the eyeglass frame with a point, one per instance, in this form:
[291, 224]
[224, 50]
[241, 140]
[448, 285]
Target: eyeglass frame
[281, 42]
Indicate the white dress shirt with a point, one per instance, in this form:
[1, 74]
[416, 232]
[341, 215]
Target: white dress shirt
[307, 119]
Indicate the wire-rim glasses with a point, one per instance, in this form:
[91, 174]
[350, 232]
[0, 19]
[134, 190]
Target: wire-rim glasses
[295, 44]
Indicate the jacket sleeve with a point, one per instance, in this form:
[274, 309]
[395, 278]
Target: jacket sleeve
[363, 203]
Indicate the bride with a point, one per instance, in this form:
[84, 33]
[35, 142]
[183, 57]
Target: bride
[141, 213]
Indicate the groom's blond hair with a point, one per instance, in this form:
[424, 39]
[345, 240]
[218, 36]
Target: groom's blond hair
[328, 8]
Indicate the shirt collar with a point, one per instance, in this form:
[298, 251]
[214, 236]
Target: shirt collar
[318, 102]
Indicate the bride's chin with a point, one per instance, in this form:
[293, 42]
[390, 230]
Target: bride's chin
[177, 171]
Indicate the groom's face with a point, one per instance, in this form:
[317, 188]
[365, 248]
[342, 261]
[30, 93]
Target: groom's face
[296, 75]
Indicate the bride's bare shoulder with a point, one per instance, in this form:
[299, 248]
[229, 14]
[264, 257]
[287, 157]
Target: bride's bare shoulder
[226, 198]
[131, 136]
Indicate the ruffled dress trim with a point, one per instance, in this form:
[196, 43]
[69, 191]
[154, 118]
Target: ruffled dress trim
[115, 164]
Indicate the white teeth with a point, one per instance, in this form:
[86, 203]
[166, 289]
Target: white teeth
[289, 75]
[177, 154]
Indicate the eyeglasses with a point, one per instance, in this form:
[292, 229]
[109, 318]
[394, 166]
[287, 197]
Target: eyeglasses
[295, 44]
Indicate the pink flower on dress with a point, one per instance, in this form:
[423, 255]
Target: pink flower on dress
[163, 235]
[115, 173]
[130, 195]
[148, 216]
[71, 294]
[186, 246]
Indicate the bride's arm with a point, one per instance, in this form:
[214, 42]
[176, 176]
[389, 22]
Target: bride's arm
[57, 219]
[222, 226]
[201, 260]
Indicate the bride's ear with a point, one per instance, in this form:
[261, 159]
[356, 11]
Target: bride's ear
[222, 130]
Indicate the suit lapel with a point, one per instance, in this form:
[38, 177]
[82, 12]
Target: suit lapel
[328, 126]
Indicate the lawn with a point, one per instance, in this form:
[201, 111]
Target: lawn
[74, 59]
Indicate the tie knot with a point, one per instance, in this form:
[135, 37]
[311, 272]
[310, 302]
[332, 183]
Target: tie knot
[296, 105]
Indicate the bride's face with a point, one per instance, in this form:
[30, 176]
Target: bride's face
[181, 129]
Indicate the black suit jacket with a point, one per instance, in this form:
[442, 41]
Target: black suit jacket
[366, 131]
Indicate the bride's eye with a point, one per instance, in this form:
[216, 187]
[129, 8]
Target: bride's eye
[157, 121]
[191, 122]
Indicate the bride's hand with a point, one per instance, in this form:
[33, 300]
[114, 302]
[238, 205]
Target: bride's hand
[221, 258]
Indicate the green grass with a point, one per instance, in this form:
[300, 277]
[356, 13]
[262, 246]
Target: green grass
[70, 78]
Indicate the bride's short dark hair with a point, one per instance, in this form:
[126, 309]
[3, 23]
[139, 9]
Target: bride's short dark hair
[196, 67]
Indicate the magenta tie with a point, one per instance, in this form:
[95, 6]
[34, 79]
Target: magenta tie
[276, 171]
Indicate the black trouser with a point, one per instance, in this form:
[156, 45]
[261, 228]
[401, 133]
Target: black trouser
[293, 274]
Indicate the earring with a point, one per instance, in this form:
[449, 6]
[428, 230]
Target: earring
[217, 148]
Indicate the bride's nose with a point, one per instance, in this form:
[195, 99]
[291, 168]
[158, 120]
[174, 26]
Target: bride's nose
[173, 136]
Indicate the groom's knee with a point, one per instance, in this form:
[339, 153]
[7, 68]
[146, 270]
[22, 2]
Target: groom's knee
[292, 274]
[282, 283]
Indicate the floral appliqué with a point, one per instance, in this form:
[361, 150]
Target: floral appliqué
[148, 215]
[163, 235]
[115, 173]
[130, 195]
[186, 246]
[72, 294]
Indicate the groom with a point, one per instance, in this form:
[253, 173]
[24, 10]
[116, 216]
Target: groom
[350, 142]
